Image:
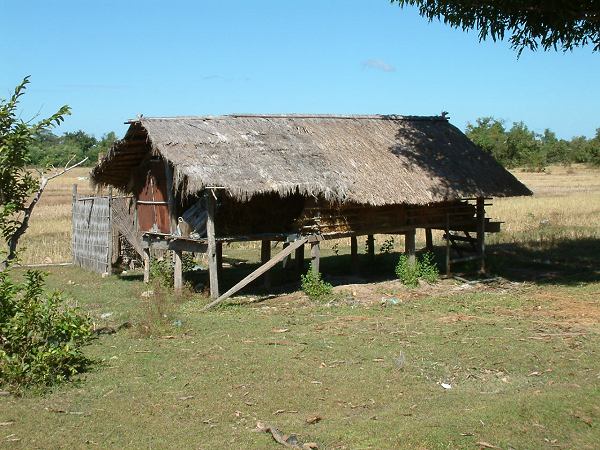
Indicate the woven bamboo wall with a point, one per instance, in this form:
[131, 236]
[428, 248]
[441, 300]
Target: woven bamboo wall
[124, 221]
[92, 233]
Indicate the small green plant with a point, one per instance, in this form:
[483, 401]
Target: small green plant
[314, 286]
[407, 272]
[162, 270]
[423, 268]
[428, 269]
[41, 337]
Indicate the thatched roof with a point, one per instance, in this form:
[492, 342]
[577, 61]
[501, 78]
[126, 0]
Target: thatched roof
[373, 160]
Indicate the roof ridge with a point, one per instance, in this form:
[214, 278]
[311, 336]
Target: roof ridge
[297, 116]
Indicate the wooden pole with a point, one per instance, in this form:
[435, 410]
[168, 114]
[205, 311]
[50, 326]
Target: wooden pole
[265, 256]
[428, 239]
[299, 257]
[178, 271]
[171, 196]
[219, 249]
[448, 270]
[481, 232]
[409, 246]
[315, 256]
[354, 254]
[73, 230]
[286, 260]
[213, 270]
[146, 265]
[371, 247]
[109, 255]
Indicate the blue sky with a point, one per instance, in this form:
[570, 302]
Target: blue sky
[111, 60]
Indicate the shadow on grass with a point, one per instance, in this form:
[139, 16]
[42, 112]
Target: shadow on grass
[336, 269]
[565, 262]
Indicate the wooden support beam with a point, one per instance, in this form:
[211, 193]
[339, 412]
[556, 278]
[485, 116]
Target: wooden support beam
[481, 232]
[265, 256]
[315, 256]
[286, 260]
[428, 239]
[354, 254]
[371, 247]
[219, 250]
[448, 262]
[146, 265]
[213, 271]
[171, 196]
[409, 246]
[178, 271]
[110, 231]
[73, 234]
[258, 272]
[299, 257]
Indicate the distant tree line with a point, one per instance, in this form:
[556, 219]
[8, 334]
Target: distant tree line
[514, 146]
[48, 148]
[518, 146]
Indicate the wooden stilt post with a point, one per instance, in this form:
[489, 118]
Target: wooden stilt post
[213, 271]
[178, 271]
[299, 257]
[409, 246]
[448, 269]
[285, 261]
[354, 254]
[73, 221]
[265, 256]
[315, 256]
[109, 255]
[371, 247]
[481, 232]
[146, 265]
[219, 250]
[428, 239]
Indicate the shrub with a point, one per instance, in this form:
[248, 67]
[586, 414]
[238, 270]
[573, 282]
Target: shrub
[423, 268]
[163, 269]
[407, 273]
[428, 269]
[41, 337]
[314, 286]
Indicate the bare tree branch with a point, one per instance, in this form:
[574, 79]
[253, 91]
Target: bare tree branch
[27, 212]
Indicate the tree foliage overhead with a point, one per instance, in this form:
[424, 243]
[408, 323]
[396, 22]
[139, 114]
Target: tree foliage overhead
[20, 188]
[549, 24]
[17, 183]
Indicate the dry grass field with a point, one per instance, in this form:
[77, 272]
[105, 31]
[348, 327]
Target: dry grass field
[48, 239]
[566, 206]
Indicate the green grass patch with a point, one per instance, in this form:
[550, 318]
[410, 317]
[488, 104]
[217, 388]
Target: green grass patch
[519, 378]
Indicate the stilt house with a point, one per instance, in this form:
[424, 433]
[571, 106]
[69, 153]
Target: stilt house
[200, 181]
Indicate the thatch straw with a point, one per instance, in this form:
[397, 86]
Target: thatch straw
[374, 160]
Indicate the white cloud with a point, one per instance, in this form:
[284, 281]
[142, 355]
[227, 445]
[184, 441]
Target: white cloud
[378, 64]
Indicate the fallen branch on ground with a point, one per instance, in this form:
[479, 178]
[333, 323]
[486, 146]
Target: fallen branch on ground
[289, 441]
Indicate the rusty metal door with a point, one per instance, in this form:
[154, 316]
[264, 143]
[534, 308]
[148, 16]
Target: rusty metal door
[152, 204]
